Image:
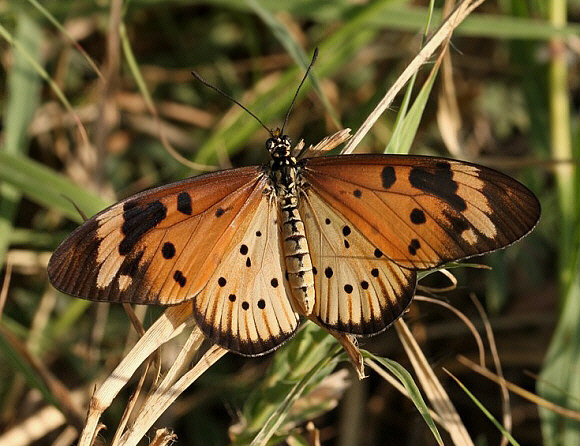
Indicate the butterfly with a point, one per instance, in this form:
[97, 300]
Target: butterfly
[337, 239]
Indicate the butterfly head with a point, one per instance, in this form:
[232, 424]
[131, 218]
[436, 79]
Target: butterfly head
[279, 145]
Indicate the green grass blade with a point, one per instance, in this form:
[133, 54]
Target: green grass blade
[404, 133]
[269, 400]
[11, 354]
[23, 98]
[414, 393]
[47, 187]
[486, 412]
[562, 361]
[294, 49]
[279, 415]
[335, 51]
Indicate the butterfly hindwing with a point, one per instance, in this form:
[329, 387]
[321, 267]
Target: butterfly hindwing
[159, 246]
[424, 211]
[245, 306]
[358, 289]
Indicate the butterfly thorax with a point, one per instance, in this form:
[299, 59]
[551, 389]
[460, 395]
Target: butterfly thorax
[282, 173]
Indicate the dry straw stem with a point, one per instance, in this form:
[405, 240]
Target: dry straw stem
[505, 397]
[166, 393]
[530, 396]
[163, 437]
[464, 319]
[5, 285]
[432, 387]
[170, 324]
[451, 287]
[34, 427]
[442, 34]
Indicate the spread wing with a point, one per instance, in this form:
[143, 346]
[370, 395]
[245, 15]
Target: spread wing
[245, 306]
[423, 211]
[358, 289]
[160, 246]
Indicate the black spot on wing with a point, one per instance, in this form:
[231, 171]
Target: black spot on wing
[184, 203]
[233, 342]
[438, 182]
[458, 222]
[388, 176]
[130, 265]
[137, 221]
[418, 216]
[414, 246]
[179, 278]
[168, 250]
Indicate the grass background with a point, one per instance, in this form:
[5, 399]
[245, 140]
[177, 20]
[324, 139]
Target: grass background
[516, 79]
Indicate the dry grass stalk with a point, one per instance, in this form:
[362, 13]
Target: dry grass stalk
[506, 409]
[432, 387]
[442, 34]
[170, 324]
[542, 402]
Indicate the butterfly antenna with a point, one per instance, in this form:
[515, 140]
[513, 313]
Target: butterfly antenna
[213, 87]
[314, 56]
[81, 213]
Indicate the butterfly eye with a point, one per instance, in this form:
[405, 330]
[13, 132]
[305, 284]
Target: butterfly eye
[287, 140]
[271, 144]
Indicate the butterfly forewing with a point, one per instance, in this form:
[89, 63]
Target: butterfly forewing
[358, 289]
[423, 211]
[159, 246]
[246, 304]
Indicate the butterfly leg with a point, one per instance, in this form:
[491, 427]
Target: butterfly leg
[349, 344]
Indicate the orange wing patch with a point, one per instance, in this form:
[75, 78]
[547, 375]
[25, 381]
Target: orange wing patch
[159, 246]
[423, 211]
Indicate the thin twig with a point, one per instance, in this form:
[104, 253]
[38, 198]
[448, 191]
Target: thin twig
[443, 32]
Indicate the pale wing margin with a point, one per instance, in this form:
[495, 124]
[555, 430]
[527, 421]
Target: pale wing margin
[246, 305]
[358, 289]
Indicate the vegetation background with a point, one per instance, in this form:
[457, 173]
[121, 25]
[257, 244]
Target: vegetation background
[511, 100]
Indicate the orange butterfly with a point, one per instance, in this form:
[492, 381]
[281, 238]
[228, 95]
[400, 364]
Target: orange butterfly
[338, 239]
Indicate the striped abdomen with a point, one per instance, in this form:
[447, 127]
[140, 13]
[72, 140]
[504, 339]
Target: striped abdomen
[296, 254]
